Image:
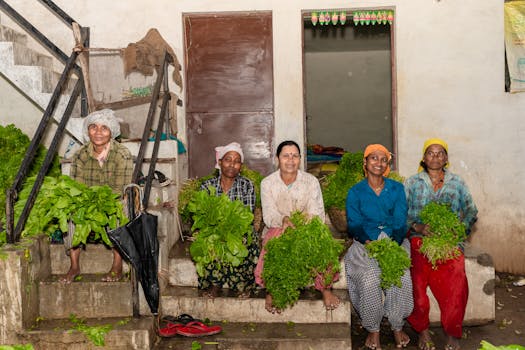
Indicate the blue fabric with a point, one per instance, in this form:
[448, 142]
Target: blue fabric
[368, 214]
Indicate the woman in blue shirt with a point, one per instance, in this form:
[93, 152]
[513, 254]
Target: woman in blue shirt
[376, 208]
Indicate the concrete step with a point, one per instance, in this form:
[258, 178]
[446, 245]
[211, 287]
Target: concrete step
[309, 309]
[276, 336]
[25, 56]
[182, 270]
[88, 297]
[126, 333]
[9, 34]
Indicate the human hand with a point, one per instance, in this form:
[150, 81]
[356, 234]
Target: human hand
[287, 223]
[424, 229]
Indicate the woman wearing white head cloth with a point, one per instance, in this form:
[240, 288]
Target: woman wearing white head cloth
[241, 279]
[101, 161]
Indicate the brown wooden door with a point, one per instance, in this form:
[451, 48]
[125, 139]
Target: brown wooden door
[229, 87]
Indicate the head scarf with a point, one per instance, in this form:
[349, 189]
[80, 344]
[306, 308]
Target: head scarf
[428, 143]
[220, 151]
[103, 117]
[377, 147]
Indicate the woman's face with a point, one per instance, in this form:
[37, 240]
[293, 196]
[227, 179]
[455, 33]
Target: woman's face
[435, 157]
[230, 164]
[376, 163]
[289, 159]
[99, 134]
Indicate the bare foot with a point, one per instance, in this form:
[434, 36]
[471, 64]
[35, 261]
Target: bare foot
[372, 341]
[69, 276]
[112, 276]
[268, 305]
[331, 301]
[401, 338]
[212, 292]
[425, 341]
[452, 343]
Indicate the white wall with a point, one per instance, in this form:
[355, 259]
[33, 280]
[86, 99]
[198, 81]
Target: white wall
[450, 79]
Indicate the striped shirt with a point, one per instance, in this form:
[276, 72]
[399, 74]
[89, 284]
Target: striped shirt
[116, 171]
[242, 189]
[420, 192]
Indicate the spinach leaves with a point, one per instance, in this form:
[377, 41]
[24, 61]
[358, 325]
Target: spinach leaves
[222, 230]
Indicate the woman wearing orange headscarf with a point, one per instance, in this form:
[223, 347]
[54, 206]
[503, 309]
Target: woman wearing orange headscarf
[376, 208]
[447, 281]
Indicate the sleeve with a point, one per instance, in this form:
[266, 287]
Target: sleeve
[468, 208]
[412, 212]
[271, 216]
[250, 195]
[124, 171]
[316, 204]
[399, 227]
[353, 216]
[75, 171]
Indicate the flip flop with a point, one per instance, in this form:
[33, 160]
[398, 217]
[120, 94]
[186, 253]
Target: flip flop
[198, 329]
[170, 330]
[182, 318]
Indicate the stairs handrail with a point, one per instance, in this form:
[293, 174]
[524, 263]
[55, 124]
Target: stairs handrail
[14, 233]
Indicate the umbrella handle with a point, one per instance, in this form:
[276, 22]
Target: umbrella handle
[136, 205]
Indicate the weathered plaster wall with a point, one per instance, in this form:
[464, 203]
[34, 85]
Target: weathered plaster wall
[450, 78]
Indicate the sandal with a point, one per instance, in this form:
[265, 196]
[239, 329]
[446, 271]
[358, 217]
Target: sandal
[182, 319]
[170, 330]
[198, 329]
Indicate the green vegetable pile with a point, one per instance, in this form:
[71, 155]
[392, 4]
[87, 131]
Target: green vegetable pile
[392, 258]
[294, 259]
[222, 230]
[17, 347]
[335, 186]
[447, 232]
[13, 147]
[487, 346]
[62, 199]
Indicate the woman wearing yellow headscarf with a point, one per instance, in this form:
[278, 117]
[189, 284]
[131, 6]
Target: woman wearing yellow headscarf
[448, 282]
[376, 208]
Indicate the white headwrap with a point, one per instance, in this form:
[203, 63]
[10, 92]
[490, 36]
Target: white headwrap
[220, 151]
[103, 117]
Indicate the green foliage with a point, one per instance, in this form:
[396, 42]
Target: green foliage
[294, 259]
[96, 334]
[62, 199]
[335, 186]
[488, 346]
[447, 232]
[392, 258]
[394, 175]
[195, 345]
[222, 230]
[17, 347]
[13, 147]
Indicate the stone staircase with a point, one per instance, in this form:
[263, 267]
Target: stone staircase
[32, 73]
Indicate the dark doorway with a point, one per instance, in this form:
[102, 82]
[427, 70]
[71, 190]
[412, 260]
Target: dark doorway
[349, 95]
[229, 87]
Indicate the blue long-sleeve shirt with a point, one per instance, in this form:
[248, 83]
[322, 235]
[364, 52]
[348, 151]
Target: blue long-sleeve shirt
[369, 214]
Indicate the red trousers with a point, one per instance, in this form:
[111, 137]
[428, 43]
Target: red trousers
[448, 283]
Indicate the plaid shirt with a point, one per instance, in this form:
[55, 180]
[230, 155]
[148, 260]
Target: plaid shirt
[242, 189]
[419, 192]
[116, 171]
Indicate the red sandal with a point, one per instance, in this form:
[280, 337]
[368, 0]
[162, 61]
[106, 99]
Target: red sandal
[198, 329]
[170, 330]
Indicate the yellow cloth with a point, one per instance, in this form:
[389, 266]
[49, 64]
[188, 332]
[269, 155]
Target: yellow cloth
[377, 147]
[428, 143]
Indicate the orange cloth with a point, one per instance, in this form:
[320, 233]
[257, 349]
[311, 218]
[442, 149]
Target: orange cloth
[428, 143]
[377, 147]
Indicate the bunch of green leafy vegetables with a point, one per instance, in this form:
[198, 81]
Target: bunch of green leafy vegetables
[17, 347]
[336, 185]
[447, 233]
[62, 199]
[13, 147]
[485, 345]
[192, 186]
[222, 230]
[295, 258]
[393, 260]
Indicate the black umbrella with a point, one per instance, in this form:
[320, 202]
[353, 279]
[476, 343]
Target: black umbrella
[138, 244]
